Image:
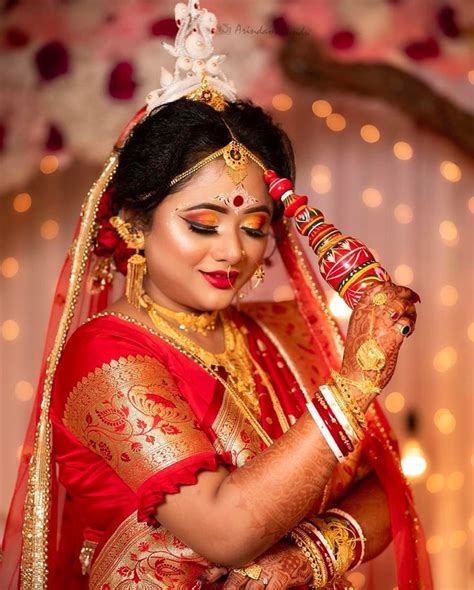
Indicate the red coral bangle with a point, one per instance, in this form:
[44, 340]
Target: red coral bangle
[333, 425]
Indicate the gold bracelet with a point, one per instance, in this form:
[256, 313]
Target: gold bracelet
[310, 551]
[340, 539]
[348, 412]
[359, 538]
[343, 388]
[367, 387]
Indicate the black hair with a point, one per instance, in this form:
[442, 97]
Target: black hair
[176, 136]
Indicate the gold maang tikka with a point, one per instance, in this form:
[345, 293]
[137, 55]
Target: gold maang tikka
[236, 157]
[136, 265]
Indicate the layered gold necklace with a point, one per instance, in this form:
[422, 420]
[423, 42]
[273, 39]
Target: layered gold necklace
[236, 359]
[201, 323]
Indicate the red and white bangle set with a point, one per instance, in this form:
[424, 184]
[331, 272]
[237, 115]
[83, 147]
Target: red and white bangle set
[333, 543]
[336, 420]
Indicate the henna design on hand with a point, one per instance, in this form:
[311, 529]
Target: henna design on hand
[376, 320]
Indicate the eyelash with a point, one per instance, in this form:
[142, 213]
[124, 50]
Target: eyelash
[212, 229]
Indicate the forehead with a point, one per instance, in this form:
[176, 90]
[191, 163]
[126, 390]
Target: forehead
[213, 180]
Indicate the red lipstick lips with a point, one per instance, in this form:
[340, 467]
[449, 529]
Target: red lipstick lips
[221, 279]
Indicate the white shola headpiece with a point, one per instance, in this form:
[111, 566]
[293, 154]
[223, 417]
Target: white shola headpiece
[197, 73]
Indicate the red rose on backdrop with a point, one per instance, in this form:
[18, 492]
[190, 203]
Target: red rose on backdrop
[3, 133]
[343, 40]
[426, 49]
[164, 27]
[52, 60]
[15, 37]
[280, 26]
[121, 83]
[447, 22]
[54, 141]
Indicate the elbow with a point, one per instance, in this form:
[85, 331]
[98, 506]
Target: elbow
[231, 551]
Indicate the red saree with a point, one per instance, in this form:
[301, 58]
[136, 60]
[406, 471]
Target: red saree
[134, 419]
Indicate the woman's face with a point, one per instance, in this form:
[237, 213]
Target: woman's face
[207, 240]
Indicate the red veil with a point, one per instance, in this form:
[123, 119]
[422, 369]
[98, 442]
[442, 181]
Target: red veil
[32, 534]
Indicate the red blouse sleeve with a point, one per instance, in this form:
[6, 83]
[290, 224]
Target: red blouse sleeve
[121, 401]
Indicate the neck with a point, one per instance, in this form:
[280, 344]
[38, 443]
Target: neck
[159, 297]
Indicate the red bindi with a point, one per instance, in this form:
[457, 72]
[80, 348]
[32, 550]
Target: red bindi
[238, 201]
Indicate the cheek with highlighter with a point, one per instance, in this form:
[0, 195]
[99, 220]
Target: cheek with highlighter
[171, 246]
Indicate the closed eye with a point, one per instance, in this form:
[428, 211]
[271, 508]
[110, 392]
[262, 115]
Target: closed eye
[199, 228]
[205, 229]
[255, 233]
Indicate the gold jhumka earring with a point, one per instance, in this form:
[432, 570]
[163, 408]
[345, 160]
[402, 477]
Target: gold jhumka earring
[136, 266]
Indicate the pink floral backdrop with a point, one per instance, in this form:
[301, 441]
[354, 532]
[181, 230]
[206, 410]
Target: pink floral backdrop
[73, 72]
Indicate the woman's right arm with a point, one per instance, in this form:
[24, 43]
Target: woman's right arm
[231, 518]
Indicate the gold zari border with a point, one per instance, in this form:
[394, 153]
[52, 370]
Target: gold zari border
[34, 558]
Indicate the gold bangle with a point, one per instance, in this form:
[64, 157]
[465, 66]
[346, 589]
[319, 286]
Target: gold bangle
[347, 410]
[340, 539]
[310, 551]
[337, 512]
[343, 388]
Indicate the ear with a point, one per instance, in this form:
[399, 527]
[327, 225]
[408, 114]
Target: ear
[137, 220]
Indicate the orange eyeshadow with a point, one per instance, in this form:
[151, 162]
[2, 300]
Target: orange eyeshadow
[255, 221]
[203, 217]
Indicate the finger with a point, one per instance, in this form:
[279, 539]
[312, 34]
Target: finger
[276, 584]
[235, 581]
[260, 584]
[212, 574]
[396, 313]
[411, 314]
[405, 327]
[407, 293]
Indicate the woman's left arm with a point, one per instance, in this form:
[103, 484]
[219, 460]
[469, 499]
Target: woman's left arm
[284, 566]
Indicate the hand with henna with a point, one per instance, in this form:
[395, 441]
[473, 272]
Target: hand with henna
[386, 314]
[283, 566]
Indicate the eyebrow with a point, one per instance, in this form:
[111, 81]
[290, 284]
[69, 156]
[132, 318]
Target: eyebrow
[225, 210]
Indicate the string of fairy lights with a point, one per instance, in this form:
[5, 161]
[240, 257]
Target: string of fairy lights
[415, 463]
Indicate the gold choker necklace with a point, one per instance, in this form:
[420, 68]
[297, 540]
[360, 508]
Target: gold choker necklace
[201, 323]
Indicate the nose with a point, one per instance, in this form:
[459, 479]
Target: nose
[228, 248]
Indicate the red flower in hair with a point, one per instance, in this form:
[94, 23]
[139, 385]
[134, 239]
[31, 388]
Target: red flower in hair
[121, 256]
[104, 212]
[107, 240]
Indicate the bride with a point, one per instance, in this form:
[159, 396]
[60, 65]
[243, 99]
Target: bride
[182, 436]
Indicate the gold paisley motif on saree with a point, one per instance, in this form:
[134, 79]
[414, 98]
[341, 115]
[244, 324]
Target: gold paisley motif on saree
[130, 413]
[144, 557]
[235, 434]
